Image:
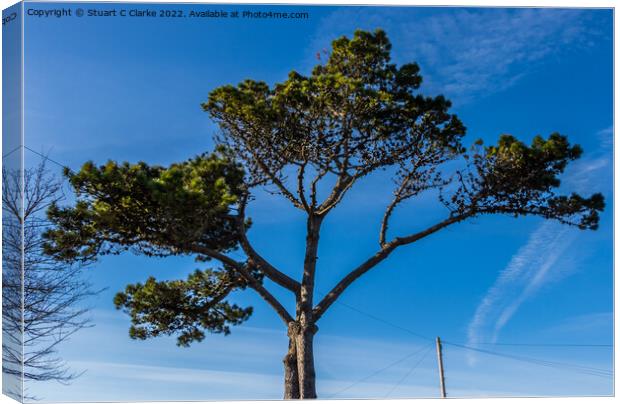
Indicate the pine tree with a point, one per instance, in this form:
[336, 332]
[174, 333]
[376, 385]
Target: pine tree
[355, 115]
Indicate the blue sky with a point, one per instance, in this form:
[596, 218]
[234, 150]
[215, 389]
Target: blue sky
[98, 89]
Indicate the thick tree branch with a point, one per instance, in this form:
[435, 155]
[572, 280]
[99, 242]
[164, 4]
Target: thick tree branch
[253, 282]
[371, 262]
[269, 270]
[386, 219]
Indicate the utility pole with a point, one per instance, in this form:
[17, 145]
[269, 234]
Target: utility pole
[442, 385]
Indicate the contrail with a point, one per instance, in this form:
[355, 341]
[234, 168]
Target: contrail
[530, 268]
[534, 264]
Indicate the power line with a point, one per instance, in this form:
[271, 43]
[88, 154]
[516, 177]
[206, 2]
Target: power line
[426, 346]
[407, 330]
[578, 368]
[561, 365]
[547, 345]
[48, 159]
[430, 348]
[11, 152]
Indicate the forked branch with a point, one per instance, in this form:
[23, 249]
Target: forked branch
[252, 281]
[378, 257]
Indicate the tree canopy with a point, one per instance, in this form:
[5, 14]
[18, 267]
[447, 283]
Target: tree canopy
[187, 307]
[153, 210]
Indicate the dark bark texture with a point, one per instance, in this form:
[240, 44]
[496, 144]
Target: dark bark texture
[291, 374]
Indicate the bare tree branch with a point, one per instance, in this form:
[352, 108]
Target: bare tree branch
[40, 296]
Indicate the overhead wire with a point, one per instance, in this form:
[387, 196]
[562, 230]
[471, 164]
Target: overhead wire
[410, 372]
[409, 331]
[579, 368]
[47, 158]
[562, 365]
[546, 345]
[404, 358]
[372, 316]
[11, 152]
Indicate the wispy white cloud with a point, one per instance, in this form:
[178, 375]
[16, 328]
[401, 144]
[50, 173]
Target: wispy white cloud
[473, 52]
[469, 52]
[585, 323]
[606, 137]
[593, 173]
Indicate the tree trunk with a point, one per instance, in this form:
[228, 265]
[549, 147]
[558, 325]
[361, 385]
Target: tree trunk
[291, 374]
[301, 332]
[305, 362]
[300, 381]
